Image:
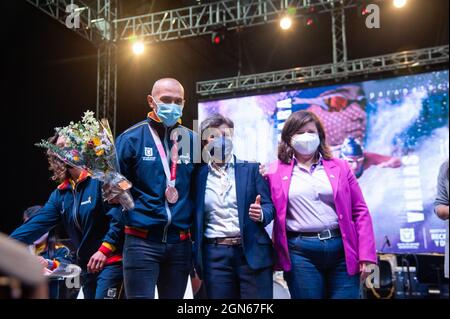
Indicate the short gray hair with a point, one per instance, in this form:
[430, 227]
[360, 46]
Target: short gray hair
[215, 121]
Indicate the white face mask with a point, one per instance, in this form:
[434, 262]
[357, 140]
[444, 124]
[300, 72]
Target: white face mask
[306, 143]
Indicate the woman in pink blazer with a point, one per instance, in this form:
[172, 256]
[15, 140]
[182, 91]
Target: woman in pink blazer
[323, 234]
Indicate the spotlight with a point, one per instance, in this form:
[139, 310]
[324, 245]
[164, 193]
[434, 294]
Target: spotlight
[138, 47]
[362, 9]
[400, 3]
[310, 21]
[218, 35]
[216, 38]
[285, 22]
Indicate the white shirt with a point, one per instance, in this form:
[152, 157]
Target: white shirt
[311, 201]
[221, 209]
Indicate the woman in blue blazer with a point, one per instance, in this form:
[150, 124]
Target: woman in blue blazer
[233, 252]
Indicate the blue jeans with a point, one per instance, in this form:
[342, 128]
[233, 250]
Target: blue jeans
[319, 270]
[148, 264]
[107, 284]
[227, 274]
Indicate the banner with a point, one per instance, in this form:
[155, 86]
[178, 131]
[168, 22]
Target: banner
[393, 132]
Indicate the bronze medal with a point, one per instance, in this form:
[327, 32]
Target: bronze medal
[171, 195]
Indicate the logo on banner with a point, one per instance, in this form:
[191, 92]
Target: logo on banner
[438, 236]
[407, 235]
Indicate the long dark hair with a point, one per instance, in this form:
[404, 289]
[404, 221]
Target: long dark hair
[55, 165]
[293, 124]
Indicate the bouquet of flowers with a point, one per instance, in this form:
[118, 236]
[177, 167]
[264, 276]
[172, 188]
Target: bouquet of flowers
[89, 145]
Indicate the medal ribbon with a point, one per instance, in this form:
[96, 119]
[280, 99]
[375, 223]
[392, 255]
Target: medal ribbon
[171, 174]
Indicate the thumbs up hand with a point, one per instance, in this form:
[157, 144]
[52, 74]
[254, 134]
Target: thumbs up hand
[255, 211]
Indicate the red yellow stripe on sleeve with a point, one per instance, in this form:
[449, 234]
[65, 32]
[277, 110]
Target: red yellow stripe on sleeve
[107, 249]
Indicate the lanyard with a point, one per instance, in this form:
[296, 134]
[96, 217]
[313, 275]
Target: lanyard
[171, 174]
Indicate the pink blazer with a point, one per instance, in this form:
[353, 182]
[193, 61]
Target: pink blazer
[354, 218]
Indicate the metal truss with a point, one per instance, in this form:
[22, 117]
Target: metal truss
[100, 24]
[205, 18]
[107, 63]
[57, 10]
[382, 63]
[107, 13]
[96, 26]
[338, 32]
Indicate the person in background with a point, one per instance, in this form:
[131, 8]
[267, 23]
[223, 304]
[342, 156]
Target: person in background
[323, 233]
[343, 113]
[233, 252]
[50, 253]
[95, 228]
[359, 160]
[441, 205]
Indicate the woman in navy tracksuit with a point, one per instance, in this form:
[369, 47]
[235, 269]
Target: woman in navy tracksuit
[95, 228]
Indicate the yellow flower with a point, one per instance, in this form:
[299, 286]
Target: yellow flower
[96, 141]
[76, 158]
[100, 152]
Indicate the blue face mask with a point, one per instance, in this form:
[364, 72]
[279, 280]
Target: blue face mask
[169, 114]
[221, 149]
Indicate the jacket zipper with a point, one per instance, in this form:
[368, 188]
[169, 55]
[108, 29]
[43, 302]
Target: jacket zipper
[169, 214]
[75, 214]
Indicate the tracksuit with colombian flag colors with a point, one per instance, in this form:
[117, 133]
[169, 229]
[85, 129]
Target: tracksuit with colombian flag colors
[157, 248]
[92, 226]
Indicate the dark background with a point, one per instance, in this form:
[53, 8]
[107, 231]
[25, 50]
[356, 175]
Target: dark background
[49, 74]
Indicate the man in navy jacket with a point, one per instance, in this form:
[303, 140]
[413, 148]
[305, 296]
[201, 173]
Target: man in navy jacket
[156, 155]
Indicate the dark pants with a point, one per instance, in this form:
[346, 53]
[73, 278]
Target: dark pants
[148, 263]
[319, 270]
[107, 284]
[227, 275]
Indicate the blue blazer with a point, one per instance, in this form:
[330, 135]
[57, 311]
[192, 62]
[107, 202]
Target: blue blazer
[257, 244]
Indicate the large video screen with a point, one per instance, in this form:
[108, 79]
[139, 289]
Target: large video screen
[393, 132]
